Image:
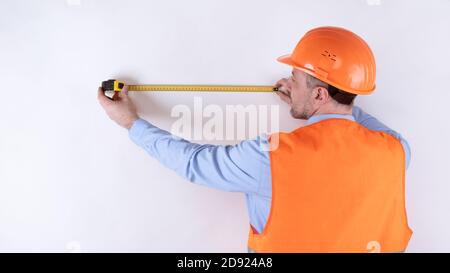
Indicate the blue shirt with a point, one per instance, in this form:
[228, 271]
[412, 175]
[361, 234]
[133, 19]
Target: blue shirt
[243, 167]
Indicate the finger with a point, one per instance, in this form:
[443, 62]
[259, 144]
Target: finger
[116, 95]
[280, 82]
[284, 97]
[283, 90]
[125, 90]
[124, 93]
[102, 98]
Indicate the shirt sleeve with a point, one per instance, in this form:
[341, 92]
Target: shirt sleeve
[372, 123]
[235, 168]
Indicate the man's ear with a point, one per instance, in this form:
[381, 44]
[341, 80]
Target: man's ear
[320, 95]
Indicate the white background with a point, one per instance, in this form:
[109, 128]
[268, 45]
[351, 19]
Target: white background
[71, 180]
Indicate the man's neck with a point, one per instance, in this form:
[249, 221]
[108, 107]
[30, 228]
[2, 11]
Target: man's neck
[340, 110]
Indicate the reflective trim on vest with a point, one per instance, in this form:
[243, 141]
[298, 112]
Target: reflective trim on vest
[336, 187]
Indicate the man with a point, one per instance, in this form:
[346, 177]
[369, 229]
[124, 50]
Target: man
[334, 185]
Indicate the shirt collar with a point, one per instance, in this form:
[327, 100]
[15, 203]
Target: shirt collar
[321, 117]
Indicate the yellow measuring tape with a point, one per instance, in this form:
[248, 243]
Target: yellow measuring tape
[114, 85]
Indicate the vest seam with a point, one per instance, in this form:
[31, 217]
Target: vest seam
[404, 190]
[266, 226]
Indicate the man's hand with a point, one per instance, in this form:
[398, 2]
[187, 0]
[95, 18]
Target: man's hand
[282, 92]
[121, 109]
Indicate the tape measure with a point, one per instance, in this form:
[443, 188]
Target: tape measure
[117, 86]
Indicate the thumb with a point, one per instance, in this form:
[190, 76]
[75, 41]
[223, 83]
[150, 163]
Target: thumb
[124, 92]
[280, 82]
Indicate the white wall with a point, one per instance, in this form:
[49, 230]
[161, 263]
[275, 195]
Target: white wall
[70, 179]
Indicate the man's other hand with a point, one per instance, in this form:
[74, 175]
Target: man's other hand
[283, 91]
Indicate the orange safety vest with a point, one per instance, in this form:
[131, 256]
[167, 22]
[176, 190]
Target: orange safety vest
[336, 187]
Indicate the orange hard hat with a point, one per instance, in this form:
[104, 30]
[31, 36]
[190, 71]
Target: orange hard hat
[336, 56]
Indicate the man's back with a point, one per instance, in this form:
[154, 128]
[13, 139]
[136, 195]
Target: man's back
[337, 187]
